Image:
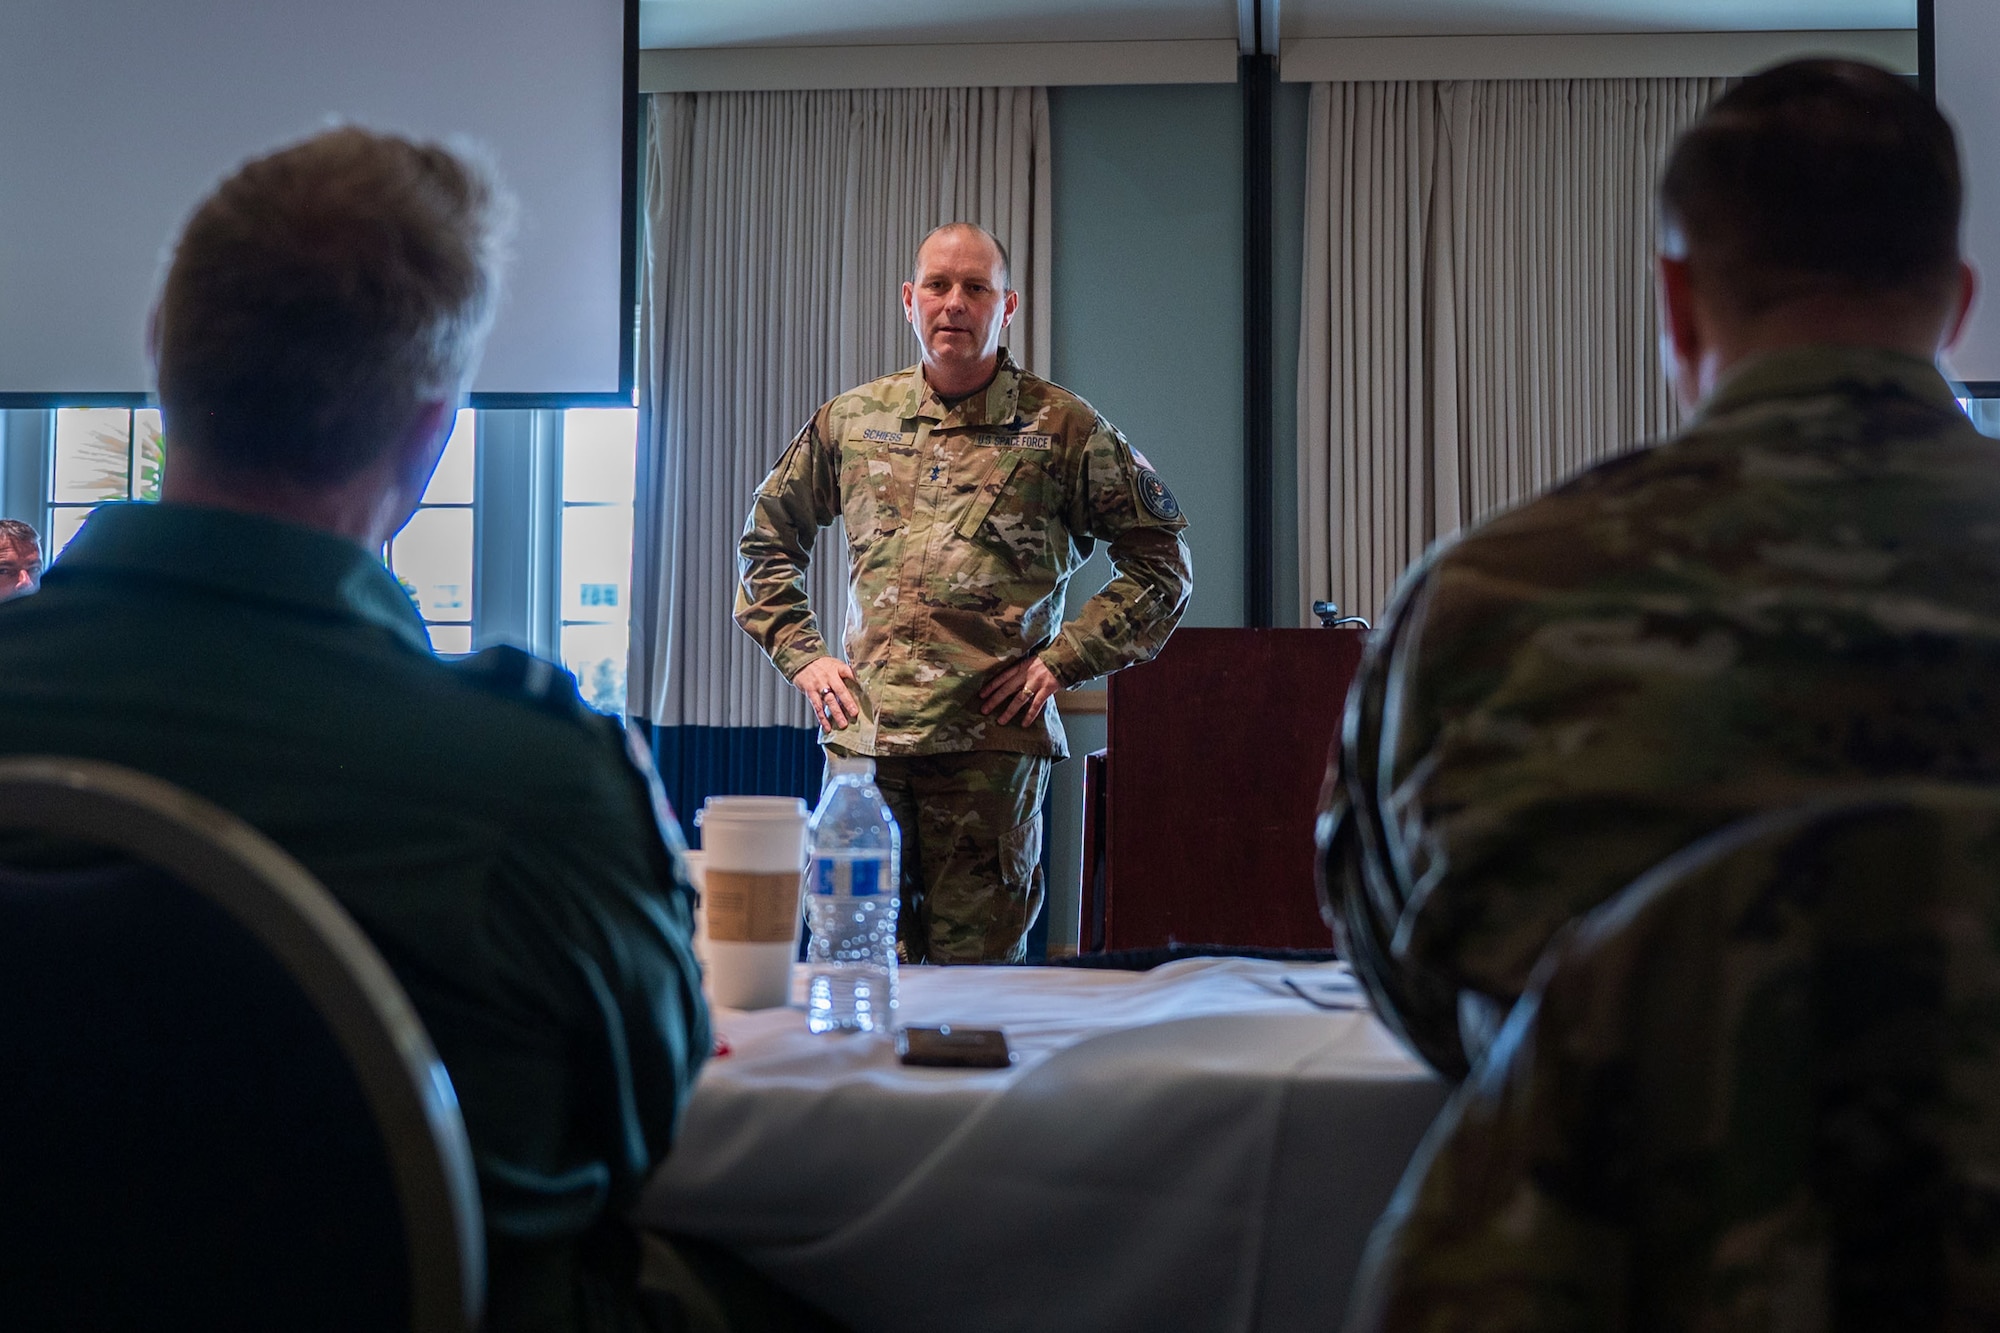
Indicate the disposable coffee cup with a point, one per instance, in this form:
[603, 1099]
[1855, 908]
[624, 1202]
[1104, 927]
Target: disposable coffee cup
[754, 862]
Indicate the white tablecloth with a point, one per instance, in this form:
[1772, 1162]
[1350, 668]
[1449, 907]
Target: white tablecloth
[1194, 1147]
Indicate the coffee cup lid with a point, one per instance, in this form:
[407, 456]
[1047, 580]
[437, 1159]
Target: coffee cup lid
[751, 808]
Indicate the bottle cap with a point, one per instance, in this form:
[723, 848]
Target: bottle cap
[851, 765]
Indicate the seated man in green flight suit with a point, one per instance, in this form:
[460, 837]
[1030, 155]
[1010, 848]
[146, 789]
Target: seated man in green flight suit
[324, 311]
[1799, 592]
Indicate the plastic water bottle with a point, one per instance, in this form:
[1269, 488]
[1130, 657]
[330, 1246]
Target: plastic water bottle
[852, 888]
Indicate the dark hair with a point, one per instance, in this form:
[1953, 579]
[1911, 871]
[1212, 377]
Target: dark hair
[321, 295]
[1816, 177]
[19, 536]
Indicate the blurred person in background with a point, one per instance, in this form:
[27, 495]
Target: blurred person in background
[20, 558]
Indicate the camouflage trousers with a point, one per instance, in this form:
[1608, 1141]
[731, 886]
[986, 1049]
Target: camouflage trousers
[972, 852]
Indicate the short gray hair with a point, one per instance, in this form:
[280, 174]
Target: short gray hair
[1006, 264]
[321, 295]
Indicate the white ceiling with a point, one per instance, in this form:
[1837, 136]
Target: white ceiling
[704, 23]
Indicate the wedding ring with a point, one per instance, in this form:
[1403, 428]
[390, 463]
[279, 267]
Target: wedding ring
[1027, 691]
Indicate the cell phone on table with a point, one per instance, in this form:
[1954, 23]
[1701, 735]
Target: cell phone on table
[948, 1047]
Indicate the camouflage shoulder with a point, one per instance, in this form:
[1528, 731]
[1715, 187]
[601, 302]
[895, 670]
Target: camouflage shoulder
[1603, 486]
[891, 393]
[1152, 500]
[1038, 396]
[823, 423]
[794, 461]
[507, 672]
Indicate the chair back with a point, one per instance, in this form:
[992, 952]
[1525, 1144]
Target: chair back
[1759, 1089]
[218, 1110]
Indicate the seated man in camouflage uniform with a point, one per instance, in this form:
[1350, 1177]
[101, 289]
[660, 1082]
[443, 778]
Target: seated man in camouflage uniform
[972, 491]
[1755, 1091]
[323, 313]
[1800, 591]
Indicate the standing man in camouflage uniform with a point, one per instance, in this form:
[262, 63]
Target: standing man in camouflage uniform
[1798, 593]
[972, 491]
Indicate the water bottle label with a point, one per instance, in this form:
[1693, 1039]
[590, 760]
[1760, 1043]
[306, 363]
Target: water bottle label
[860, 879]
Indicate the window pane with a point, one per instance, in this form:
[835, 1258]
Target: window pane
[1985, 413]
[596, 562]
[90, 453]
[451, 638]
[596, 655]
[63, 524]
[434, 555]
[451, 484]
[599, 453]
[150, 449]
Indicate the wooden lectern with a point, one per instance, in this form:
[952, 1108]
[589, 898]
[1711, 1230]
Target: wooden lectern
[1198, 813]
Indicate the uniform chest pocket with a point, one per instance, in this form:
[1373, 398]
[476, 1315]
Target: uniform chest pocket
[873, 498]
[1012, 512]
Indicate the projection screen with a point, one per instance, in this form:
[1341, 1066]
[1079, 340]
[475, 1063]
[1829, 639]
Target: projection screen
[1960, 51]
[118, 116]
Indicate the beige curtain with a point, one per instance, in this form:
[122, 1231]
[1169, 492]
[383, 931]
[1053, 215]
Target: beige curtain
[780, 227]
[1477, 317]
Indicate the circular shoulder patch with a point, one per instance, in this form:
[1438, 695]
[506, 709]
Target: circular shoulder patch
[1153, 494]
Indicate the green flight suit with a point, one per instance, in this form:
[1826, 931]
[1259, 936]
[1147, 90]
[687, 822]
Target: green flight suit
[487, 831]
[965, 523]
[1799, 592]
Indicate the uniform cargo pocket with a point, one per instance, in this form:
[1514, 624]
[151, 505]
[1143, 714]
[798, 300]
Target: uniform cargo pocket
[871, 500]
[990, 490]
[1021, 857]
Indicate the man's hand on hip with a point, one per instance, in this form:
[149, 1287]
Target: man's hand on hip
[825, 682]
[1024, 687]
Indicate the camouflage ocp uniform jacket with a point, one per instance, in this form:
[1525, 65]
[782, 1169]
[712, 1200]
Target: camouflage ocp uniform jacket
[1757, 1090]
[1800, 592]
[964, 526]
